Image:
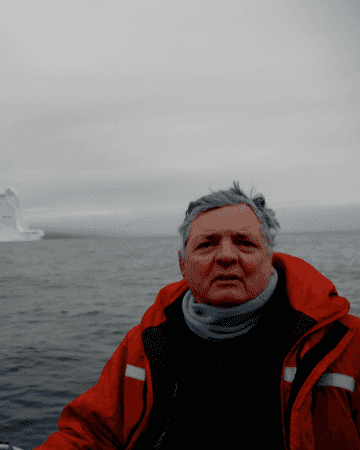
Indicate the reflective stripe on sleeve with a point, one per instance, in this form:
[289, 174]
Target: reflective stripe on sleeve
[327, 379]
[337, 380]
[135, 372]
[289, 374]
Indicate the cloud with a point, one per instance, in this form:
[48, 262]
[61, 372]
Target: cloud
[172, 95]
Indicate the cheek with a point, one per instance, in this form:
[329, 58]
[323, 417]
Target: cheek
[197, 270]
[253, 262]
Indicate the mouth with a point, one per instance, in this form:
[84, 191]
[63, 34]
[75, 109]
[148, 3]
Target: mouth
[231, 279]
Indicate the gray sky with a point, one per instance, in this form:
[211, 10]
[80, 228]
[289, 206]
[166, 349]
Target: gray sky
[116, 115]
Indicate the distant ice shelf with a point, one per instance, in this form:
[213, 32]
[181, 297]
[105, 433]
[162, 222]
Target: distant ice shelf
[12, 223]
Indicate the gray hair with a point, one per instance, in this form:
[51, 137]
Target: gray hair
[233, 196]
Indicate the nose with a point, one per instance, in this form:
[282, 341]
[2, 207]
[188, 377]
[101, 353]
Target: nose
[227, 253]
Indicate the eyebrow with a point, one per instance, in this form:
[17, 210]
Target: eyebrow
[211, 236]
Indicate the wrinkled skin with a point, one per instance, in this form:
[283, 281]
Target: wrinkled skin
[225, 253]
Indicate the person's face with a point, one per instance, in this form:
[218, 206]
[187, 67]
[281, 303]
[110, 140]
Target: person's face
[223, 241]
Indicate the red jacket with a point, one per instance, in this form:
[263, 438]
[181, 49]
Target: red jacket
[325, 357]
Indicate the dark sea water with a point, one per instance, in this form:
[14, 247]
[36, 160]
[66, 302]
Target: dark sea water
[66, 305]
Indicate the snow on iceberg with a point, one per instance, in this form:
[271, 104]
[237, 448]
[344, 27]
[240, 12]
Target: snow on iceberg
[12, 224]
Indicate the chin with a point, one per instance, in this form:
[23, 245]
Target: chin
[228, 295]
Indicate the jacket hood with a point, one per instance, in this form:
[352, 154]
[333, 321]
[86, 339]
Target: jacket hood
[307, 289]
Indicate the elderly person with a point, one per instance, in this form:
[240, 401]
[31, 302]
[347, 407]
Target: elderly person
[251, 349]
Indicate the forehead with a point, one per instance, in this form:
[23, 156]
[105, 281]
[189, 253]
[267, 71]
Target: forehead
[232, 218]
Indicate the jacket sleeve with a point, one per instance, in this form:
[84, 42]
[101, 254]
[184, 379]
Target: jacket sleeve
[94, 420]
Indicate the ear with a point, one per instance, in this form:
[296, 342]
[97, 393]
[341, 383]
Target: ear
[181, 264]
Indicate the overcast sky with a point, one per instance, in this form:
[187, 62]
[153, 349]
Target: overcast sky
[117, 114]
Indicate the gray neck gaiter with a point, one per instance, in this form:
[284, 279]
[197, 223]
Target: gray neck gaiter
[221, 323]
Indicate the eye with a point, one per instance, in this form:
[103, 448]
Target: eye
[205, 243]
[243, 242]
[247, 243]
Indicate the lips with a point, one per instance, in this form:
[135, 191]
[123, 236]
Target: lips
[227, 277]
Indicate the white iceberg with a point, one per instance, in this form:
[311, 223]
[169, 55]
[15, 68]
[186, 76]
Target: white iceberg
[12, 223]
